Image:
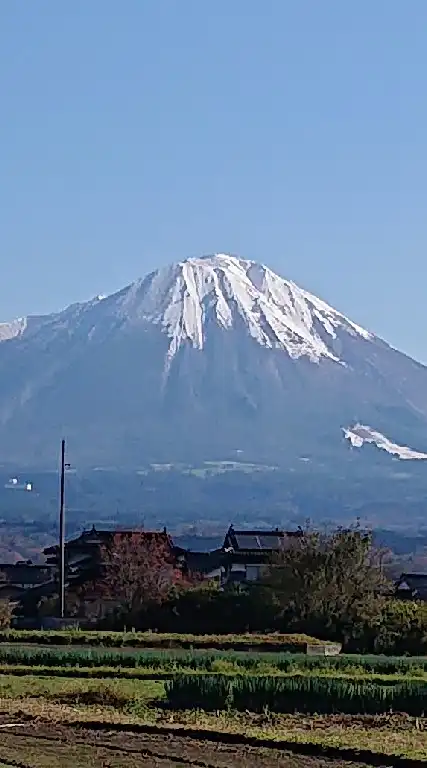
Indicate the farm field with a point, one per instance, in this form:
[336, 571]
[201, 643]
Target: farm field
[162, 706]
[43, 747]
[164, 664]
[124, 705]
[337, 740]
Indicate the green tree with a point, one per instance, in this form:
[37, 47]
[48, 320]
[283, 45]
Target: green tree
[401, 628]
[208, 608]
[329, 584]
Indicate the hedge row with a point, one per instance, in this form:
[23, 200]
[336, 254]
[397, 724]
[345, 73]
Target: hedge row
[273, 642]
[296, 694]
[207, 661]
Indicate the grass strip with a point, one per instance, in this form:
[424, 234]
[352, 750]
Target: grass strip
[143, 673]
[210, 661]
[116, 693]
[279, 642]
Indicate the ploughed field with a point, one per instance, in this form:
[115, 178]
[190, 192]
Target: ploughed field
[171, 703]
[40, 746]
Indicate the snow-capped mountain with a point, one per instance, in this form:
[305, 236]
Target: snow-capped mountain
[204, 358]
[183, 298]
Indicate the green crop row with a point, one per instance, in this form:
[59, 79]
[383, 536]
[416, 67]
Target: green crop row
[209, 661]
[321, 695]
[147, 673]
[86, 673]
[66, 657]
[273, 642]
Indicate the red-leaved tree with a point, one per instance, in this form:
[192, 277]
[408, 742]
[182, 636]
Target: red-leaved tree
[138, 572]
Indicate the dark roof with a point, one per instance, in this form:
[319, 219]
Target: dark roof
[203, 562]
[258, 540]
[412, 582]
[25, 573]
[40, 590]
[97, 538]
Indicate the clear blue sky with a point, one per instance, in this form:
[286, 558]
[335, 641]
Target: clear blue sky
[141, 132]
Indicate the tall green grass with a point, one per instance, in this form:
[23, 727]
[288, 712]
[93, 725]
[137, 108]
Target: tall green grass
[296, 694]
[209, 661]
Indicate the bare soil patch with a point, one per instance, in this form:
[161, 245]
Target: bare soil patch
[41, 746]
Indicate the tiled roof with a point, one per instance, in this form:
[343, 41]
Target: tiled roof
[102, 537]
[258, 540]
[204, 562]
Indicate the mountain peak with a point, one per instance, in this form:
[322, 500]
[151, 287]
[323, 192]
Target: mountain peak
[204, 357]
[186, 297]
[189, 298]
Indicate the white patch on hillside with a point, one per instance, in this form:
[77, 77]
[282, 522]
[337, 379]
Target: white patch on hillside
[361, 434]
[13, 329]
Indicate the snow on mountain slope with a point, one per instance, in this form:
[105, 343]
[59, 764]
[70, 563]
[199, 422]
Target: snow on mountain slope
[13, 329]
[361, 434]
[202, 358]
[275, 311]
[183, 298]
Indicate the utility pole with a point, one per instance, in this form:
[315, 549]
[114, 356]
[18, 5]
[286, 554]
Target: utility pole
[62, 533]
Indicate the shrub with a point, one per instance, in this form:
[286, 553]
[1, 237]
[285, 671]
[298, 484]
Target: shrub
[6, 612]
[401, 628]
[104, 696]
